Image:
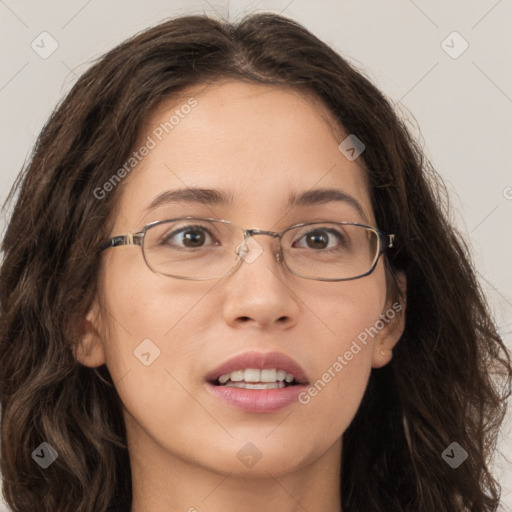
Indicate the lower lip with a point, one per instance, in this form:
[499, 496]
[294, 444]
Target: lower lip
[257, 400]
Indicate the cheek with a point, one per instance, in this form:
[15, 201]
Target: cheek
[350, 311]
[342, 370]
[151, 351]
[334, 399]
[147, 318]
[347, 308]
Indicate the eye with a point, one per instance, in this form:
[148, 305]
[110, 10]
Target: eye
[192, 237]
[323, 238]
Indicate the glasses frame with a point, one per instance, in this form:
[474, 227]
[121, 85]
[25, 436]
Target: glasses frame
[385, 240]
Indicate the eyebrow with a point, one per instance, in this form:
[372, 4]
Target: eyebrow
[221, 198]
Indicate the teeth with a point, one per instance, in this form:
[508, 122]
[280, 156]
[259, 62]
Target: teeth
[267, 375]
[251, 375]
[249, 385]
[236, 376]
[224, 378]
[245, 378]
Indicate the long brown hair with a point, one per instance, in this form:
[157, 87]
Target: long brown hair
[446, 382]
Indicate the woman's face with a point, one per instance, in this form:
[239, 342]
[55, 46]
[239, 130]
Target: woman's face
[162, 337]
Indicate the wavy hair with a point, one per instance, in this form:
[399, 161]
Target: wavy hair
[446, 382]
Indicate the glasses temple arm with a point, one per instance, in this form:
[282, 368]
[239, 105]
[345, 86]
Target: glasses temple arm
[129, 239]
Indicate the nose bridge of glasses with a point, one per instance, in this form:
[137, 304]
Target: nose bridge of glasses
[252, 232]
[245, 244]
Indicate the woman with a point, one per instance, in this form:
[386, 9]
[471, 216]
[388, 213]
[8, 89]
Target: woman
[229, 283]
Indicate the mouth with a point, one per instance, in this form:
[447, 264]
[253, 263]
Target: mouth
[254, 378]
[253, 368]
[257, 382]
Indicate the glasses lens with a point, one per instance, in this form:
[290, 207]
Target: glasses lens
[208, 249]
[192, 248]
[330, 250]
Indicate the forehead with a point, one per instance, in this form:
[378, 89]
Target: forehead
[260, 144]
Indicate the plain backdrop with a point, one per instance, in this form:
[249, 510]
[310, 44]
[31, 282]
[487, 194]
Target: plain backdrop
[455, 90]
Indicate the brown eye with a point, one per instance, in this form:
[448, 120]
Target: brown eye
[192, 237]
[322, 239]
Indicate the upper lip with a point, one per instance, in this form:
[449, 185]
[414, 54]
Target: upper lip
[260, 361]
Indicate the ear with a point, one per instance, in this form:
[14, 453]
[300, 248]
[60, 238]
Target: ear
[88, 344]
[393, 319]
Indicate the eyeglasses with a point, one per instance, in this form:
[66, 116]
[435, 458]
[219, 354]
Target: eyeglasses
[204, 248]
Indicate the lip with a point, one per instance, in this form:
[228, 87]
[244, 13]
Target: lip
[258, 400]
[260, 361]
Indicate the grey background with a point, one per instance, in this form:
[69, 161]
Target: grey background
[459, 107]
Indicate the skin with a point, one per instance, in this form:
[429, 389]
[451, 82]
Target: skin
[259, 143]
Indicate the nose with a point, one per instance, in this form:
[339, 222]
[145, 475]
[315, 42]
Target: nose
[259, 292]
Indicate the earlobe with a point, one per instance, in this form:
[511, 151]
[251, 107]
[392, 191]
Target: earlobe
[88, 345]
[386, 341]
[389, 336]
